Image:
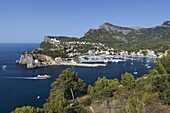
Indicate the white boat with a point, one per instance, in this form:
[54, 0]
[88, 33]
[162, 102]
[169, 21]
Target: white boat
[4, 67]
[135, 73]
[105, 61]
[148, 67]
[147, 61]
[117, 60]
[43, 77]
[38, 97]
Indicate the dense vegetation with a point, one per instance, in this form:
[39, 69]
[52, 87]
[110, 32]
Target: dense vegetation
[62, 50]
[44, 45]
[52, 53]
[147, 94]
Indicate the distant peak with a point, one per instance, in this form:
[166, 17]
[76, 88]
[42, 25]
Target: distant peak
[107, 23]
[166, 23]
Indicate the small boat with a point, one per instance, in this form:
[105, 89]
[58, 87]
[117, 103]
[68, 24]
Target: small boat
[38, 97]
[43, 77]
[117, 60]
[4, 67]
[135, 73]
[147, 61]
[148, 66]
[105, 61]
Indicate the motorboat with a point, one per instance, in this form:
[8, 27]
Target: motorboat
[135, 73]
[148, 66]
[43, 77]
[4, 67]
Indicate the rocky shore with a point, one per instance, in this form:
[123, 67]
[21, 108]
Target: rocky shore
[39, 60]
[35, 60]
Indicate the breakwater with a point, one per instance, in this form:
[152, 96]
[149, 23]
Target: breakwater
[82, 65]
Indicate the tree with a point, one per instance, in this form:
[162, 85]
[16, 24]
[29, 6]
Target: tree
[161, 69]
[27, 109]
[56, 103]
[69, 83]
[128, 81]
[103, 88]
[163, 64]
[153, 72]
[63, 90]
[161, 84]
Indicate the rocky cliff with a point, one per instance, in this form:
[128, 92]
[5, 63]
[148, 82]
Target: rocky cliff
[35, 60]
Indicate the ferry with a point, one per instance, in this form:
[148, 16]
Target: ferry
[43, 77]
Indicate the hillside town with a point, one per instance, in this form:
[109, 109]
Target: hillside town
[99, 49]
[53, 51]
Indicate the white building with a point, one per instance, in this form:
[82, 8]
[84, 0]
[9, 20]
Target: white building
[151, 53]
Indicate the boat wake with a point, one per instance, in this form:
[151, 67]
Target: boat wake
[31, 78]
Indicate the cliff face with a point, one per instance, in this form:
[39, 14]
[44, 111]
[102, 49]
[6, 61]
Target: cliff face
[35, 60]
[27, 59]
[107, 27]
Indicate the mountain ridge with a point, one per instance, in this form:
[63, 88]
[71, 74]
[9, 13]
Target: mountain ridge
[131, 39]
[127, 38]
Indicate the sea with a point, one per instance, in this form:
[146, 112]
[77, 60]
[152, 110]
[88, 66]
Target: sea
[19, 86]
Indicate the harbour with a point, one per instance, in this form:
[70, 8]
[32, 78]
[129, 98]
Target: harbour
[23, 82]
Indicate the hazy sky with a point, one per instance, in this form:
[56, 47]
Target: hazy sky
[28, 21]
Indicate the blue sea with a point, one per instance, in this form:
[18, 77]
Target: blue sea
[19, 88]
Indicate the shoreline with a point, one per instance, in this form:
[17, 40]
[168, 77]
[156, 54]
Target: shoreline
[28, 60]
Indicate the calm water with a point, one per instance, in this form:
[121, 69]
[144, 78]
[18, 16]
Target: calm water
[18, 88]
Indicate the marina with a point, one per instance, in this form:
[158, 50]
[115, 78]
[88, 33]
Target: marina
[99, 59]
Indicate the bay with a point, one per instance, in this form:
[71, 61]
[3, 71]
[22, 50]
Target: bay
[19, 88]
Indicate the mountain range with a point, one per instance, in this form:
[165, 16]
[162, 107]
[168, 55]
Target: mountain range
[126, 38]
[156, 38]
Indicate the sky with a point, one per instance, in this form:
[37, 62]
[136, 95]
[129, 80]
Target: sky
[28, 21]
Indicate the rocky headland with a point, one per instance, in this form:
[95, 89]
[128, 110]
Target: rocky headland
[35, 60]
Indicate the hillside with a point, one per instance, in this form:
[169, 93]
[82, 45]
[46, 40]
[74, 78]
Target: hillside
[125, 38]
[131, 39]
